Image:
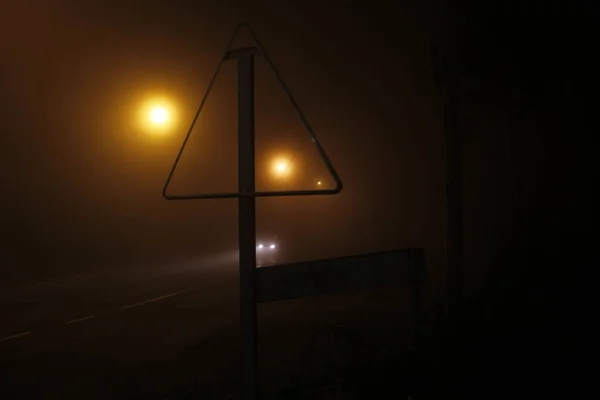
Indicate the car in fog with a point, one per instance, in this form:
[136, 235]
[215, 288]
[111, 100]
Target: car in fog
[266, 253]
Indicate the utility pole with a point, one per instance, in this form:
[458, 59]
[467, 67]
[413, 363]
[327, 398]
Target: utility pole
[454, 196]
[447, 69]
[454, 163]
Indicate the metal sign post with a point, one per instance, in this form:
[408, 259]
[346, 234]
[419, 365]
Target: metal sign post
[247, 219]
[247, 193]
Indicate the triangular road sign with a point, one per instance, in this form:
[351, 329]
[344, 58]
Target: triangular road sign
[280, 163]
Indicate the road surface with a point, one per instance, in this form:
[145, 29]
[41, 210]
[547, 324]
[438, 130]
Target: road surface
[148, 333]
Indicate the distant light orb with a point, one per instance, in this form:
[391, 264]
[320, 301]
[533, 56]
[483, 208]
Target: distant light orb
[272, 246]
[159, 115]
[319, 183]
[281, 167]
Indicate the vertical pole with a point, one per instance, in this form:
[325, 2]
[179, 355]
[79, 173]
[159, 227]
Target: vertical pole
[247, 224]
[415, 271]
[454, 212]
[454, 170]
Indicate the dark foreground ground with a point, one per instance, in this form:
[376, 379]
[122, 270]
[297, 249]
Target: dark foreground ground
[156, 333]
[173, 334]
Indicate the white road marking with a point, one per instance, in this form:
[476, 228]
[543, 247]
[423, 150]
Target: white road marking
[18, 335]
[166, 296]
[73, 321]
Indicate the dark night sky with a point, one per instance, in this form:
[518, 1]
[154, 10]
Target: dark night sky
[81, 183]
[84, 180]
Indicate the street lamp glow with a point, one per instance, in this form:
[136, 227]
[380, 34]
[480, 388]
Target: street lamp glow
[281, 167]
[157, 115]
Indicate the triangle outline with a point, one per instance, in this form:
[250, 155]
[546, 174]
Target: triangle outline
[277, 193]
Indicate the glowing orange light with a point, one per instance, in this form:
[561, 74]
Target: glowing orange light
[157, 116]
[281, 167]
